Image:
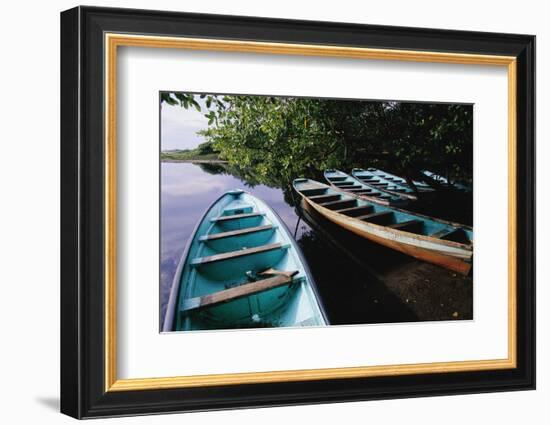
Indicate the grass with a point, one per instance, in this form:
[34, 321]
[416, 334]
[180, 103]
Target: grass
[188, 155]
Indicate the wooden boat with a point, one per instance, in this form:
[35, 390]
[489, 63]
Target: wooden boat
[242, 269]
[352, 185]
[445, 182]
[436, 241]
[388, 182]
[399, 180]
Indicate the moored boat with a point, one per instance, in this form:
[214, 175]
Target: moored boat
[446, 244]
[242, 269]
[443, 181]
[352, 185]
[420, 185]
[389, 183]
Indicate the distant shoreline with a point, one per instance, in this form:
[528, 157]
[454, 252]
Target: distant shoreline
[197, 161]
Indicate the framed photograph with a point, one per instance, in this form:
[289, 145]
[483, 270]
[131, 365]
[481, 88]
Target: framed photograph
[262, 212]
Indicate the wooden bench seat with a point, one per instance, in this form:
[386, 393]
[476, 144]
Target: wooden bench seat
[355, 211]
[239, 232]
[236, 254]
[325, 198]
[223, 218]
[344, 203]
[241, 291]
[376, 217]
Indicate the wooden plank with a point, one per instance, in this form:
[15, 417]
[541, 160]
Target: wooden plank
[343, 203]
[236, 216]
[375, 216]
[239, 232]
[275, 272]
[237, 254]
[325, 198]
[407, 225]
[245, 290]
[353, 211]
[313, 192]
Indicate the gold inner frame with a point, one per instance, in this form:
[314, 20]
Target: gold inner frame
[113, 41]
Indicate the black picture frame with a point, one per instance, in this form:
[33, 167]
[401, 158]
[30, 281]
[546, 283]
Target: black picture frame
[83, 392]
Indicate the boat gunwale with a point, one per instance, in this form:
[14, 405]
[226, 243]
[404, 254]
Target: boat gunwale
[401, 210]
[397, 232]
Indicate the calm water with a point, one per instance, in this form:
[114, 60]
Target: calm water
[348, 270]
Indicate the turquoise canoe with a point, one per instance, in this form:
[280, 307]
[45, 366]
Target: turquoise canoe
[389, 183]
[352, 185]
[242, 269]
[440, 242]
[399, 180]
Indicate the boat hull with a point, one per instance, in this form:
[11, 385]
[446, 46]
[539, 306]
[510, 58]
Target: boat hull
[452, 255]
[456, 261]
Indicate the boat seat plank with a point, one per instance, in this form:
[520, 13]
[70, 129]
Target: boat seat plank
[239, 232]
[375, 216]
[236, 216]
[236, 254]
[407, 225]
[325, 198]
[353, 211]
[240, 291]
[344, 203]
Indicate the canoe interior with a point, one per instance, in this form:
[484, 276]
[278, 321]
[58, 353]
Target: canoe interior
[238, 238]
[353, 185]
[371, 212]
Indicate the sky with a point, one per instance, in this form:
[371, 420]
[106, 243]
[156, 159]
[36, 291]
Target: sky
[179, 126]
